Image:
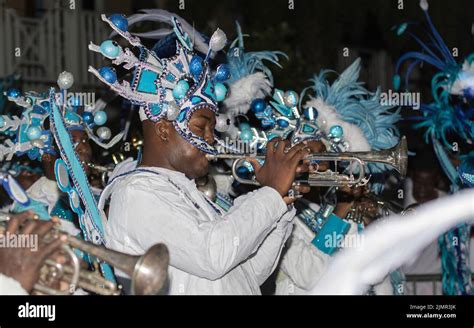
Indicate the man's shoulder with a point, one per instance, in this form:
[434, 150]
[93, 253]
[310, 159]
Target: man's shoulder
[139, 180]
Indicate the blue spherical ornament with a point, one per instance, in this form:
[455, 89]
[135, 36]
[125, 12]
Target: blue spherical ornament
[108, 74]
[244, 126]
[258, 105]
[13, 93]
[100, 117]
[282, 123]
[120, 21]
[2, 122]
[180, 89]
[110, 49]
[220, 91]
[33, 133]
[222, 73]
[46, 105]
[336, 131]
[88, 117]
[246, 135]
[290, 98]
[310, 113]
[242, 171]
[195, 66]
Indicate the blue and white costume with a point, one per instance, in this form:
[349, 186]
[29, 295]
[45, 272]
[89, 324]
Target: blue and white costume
[349, 118]
[450, 114]
[210, 252]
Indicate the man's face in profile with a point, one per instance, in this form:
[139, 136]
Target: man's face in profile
[83, 148]
[184, 156]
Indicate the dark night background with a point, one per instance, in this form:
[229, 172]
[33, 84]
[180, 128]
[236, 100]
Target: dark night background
[314, 32]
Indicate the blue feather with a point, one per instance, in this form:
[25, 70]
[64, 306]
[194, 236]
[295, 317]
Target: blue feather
[243, 63]
[359, 106]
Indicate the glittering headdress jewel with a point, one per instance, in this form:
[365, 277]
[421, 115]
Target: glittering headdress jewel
[28, 134]
[170, 88]
[33, 139]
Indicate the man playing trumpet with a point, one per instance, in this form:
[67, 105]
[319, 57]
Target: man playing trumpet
[158, 201]
[20, 266]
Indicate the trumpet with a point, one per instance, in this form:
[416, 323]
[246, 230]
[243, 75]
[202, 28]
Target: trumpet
[396, 157]
[102, 170]
[99, 168]
[148, 272]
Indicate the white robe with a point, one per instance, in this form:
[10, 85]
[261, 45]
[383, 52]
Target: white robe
[9, 286]
[209, 253]
[47, 192]
[302, 263]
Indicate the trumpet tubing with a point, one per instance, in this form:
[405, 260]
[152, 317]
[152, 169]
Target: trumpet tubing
[395, 157]
[98, 168]
[148, 272]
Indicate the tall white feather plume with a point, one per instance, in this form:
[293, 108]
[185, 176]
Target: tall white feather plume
[328, 116]
[245, 90]
[389, 244]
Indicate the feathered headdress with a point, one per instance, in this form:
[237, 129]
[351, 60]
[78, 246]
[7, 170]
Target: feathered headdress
[250, 77]
[443, 116]
[352, 117]
[28, 134]
[446, 115]
[172, 88]
[251, 80]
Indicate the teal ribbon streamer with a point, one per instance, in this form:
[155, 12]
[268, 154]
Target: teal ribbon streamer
[79, 178]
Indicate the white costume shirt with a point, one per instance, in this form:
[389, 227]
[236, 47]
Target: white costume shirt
[9, 286]
[302, 263]
[47, 192]
[210, 253]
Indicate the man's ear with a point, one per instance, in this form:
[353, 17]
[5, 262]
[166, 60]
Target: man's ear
[162, 129]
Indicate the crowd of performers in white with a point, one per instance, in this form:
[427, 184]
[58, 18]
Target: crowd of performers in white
[234, 182]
